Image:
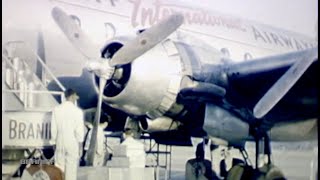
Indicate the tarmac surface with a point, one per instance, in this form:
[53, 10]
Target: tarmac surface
[296, 164]
[298, 161]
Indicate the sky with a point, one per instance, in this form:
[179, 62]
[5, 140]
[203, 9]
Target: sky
[296, 15]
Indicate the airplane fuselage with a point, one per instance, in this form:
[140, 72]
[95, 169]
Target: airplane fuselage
[103, 20]
[237, 39]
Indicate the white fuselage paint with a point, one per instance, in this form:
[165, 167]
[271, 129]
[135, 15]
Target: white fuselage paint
[22, 20]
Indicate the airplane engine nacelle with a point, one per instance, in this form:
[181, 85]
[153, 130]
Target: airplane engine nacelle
[220, 123]
[147, 86]
[159, 124]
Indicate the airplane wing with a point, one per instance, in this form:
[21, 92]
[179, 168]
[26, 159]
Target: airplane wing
[251, 82]
[247, 84]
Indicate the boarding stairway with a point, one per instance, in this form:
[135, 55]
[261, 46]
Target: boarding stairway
[26, 104]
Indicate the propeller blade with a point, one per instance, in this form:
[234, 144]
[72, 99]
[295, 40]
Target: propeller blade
[93, 140]
[41, 52]
[74, 33]
[284, 84]
[102, 83]
[146, 40]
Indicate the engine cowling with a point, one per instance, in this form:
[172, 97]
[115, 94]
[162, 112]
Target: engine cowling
[149, 85]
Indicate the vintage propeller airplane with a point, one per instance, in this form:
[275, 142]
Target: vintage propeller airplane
[237, 81]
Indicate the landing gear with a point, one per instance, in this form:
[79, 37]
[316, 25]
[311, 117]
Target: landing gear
[262, 170]
[266, 172]
[241, 169]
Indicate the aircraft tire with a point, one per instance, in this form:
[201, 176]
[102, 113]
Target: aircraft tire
[274, 173]
[236, 172]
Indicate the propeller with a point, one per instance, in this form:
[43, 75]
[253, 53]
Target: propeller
[96, 64]
[126, 54]
[284, 84]
[75, 34]
[41, 52]
[146, 40]
[93, 146]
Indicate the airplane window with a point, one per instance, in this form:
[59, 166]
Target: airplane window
[112, 2]
[76, 19]
[225, 52]
[247, 56]
[140, 31]
[110, 30]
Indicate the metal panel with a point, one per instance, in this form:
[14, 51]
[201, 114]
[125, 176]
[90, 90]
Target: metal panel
[222, 124]
[26, 129]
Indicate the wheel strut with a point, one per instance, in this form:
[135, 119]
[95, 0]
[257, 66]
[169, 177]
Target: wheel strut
[266, 150]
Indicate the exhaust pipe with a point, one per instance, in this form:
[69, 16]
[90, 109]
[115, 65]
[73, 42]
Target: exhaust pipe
[160, 124]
